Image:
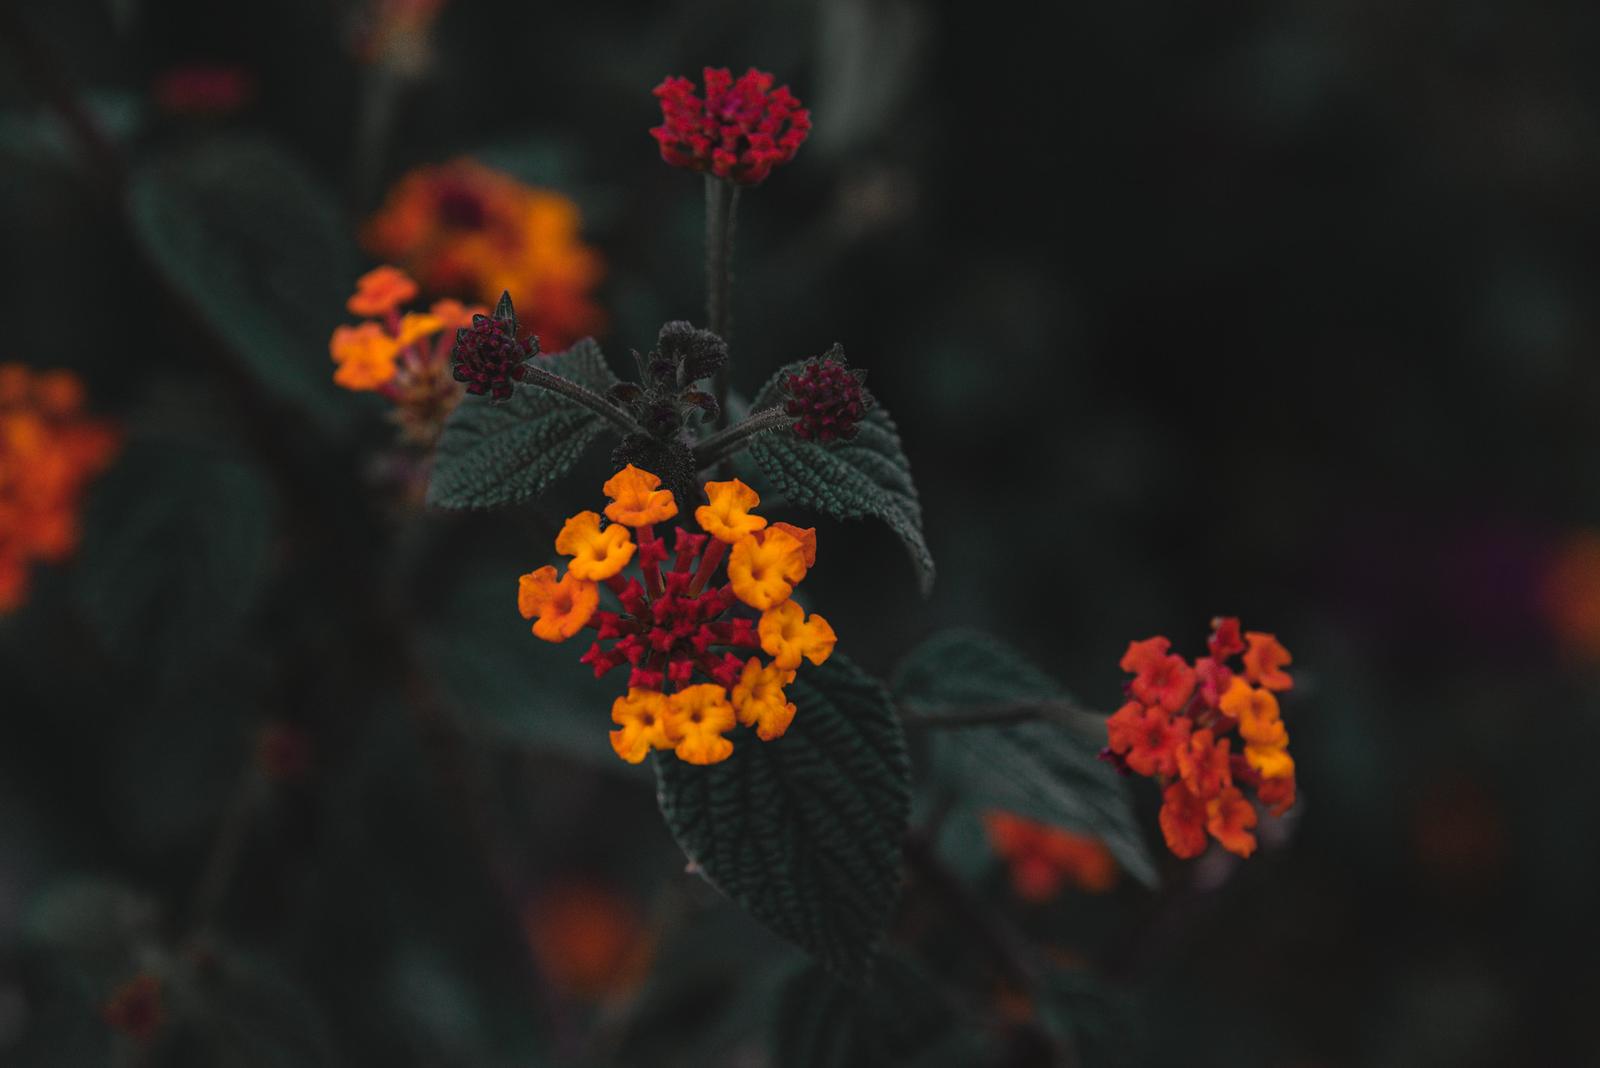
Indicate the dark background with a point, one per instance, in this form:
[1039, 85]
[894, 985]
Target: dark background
[1269, 309]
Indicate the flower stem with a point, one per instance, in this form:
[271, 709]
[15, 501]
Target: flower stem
[730, 440]
[583, 395]
[722, 205]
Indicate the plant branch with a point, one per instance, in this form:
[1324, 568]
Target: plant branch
[583, 395]
[733, 439]
[722, 206]
[917, 714]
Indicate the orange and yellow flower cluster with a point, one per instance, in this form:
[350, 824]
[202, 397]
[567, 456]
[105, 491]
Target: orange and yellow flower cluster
[404, 356]
[475, 233]
[1179, 726]
[1044, 860]
[677, 623]
[48, 453]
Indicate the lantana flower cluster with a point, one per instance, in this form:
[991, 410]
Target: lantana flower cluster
[1182, 722]
[403, 355]
[678, 624]
[739, 130]
[468, 231]
[49, 450]
[1044, 860]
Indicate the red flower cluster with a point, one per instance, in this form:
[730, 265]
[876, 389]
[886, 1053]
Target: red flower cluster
[1045, 859]
[826, 399]
[739, 131]
[1177, 727]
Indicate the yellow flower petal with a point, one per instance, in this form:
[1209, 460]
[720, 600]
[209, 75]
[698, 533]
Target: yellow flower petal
[788, 636]
[645, 722]
[701, 715]
[759, 701]
[765, 568]
[563, 608]
[728, 517]
[637, 500]
[596, 554]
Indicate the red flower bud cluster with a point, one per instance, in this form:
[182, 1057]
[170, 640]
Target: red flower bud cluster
[826, 399]
[489, 357]
[739, 130]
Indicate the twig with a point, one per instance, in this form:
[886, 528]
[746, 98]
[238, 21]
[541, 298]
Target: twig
[935, 716]
[730, 440]
[581, 394]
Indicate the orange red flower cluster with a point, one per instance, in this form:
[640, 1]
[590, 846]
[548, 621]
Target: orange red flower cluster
[48, 453]
[1045, 859]
[679, 623]
[1178, 728]
[404, 356]
[739, 130]
[471, 232]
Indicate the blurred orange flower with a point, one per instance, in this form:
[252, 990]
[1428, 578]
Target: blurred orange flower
[1572, 594]
[1044, 859]
[48, 453]
[405, 356]
[465, 230]
[589, 941]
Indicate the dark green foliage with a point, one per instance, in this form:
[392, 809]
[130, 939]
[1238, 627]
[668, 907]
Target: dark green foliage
[806, 831]
[1045, 769]
[867, 476]
[511, 683]
[259, 253]
[494, 454]
[175, 554]
[901, 1018]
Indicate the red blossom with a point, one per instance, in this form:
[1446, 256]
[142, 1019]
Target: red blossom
[739, 130]
[1155, 744]
[1183, 821]
[1160, 678]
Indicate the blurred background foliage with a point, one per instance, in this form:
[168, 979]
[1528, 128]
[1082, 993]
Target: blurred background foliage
[1274, 309]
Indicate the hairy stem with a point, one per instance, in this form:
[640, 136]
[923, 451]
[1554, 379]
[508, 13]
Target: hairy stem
[731, 440]
[580, 394]
[722, 205]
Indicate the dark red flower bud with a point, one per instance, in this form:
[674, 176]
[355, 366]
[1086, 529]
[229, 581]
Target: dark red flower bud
[826, 399]
[489, 357]
[740, 130]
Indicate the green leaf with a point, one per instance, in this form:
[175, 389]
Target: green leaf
[261, 254]
[498, 453]
[805, 832]
[175, 554]
[1048, 769]
[865, 477]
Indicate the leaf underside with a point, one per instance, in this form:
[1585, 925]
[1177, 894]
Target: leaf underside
[1048, 769]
